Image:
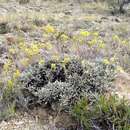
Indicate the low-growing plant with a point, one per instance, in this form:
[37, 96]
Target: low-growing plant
[4, 28]
[118, 5]
[109, 113]
[54, 81]
[7, 111]
[23, 1]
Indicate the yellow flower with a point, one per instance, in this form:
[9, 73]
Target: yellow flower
[106, 61]
[35, 49]
[16, 74]
[41, 62]
[124, 42]
[64, 37]
[116, 38]
[101, 45]
[84, 33]
[92, 42]
[53, 66]
[7, 65]
[49, 29]
[75, 38]
[95, 34]
[12, 51]
[48, 46]
[28, 52]
[24, 61]
[32, 50]
[66, 60]
[22, 45]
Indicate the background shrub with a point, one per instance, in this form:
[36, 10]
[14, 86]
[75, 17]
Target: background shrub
[23, 1]
[118, 5]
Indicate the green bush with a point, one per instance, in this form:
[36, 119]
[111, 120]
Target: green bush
[7, 102]
[56, 82]
[99, 76]
[118, 5]
[105, 114]
[4, 28]
[23, 1]
[7, 111]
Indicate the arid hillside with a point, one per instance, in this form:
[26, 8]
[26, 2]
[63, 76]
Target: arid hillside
[55, 53]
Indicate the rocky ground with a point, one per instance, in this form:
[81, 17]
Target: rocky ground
[66, 16]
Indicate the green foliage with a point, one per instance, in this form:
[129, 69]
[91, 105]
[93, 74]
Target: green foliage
[118, 5]
[7, 101]
[7, 110]
[4, 28]
[57, 82]
[23, 1]
[106, 113]
[99, 76]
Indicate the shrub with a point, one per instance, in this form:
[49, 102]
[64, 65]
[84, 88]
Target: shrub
[23, 1]
[57, 82]
[4, 28]
[99, 76]
[107, 113]
[74, 66]
[7, 111]
[7, 103]
[118, 5]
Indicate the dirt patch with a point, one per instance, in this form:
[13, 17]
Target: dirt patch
[122, 84]
[39, 119]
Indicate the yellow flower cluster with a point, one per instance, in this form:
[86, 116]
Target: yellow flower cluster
[91, 38]
[7, 65]
[116, 38]
[32, 50]
[92, 42]
[84, 33]
[95, 34]
[64, 37]
[106, 61]
[16, 74]
[49, 29]
[53, 66]
[66, 60]
[101, 44]
[24, 61]
[12, 51]
[48, 46]
[41, 62]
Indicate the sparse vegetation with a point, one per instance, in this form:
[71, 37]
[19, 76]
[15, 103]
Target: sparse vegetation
[23, 1]
[118, 5]
[106, 113]
[55, 53]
